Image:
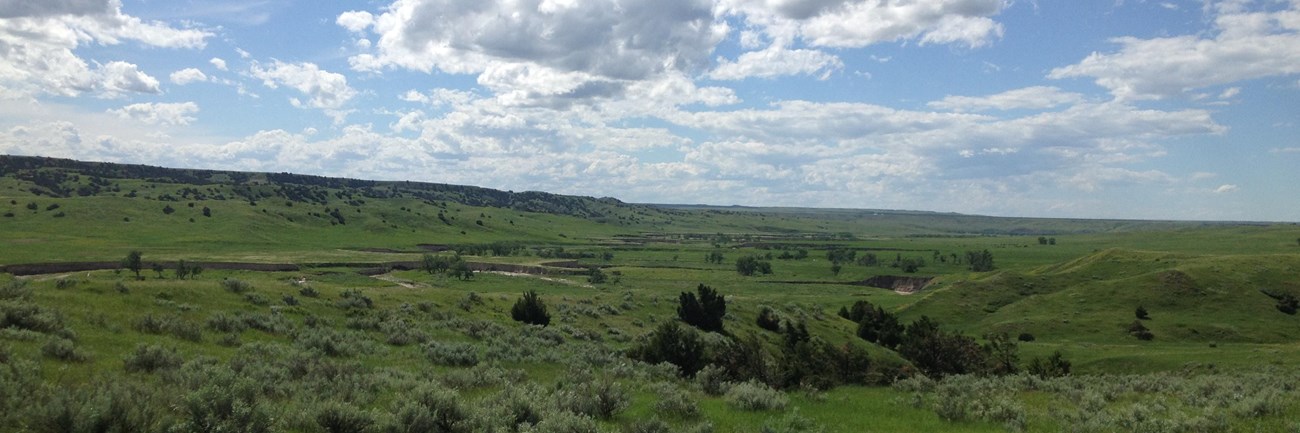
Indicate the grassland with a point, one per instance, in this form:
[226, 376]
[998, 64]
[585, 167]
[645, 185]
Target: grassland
[338, 346]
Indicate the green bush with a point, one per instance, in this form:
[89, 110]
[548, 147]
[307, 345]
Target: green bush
[152, 357]
[351, 299]
[673, 401]
[453, 354]
[601, 398]
[673, 344]
[430, 409]
[755, 396]
[336, 417]
[236, 286]
[63, 350]
[222, 322]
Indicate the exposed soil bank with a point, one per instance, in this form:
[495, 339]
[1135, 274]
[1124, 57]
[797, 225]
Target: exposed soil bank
[898, 284]
[366, 268]
[895, 283]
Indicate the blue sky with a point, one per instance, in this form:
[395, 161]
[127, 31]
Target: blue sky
[1096, 109]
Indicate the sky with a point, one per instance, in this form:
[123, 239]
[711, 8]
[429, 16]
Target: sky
[1173, 109]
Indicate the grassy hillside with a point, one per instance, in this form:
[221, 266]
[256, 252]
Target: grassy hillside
[345, 344]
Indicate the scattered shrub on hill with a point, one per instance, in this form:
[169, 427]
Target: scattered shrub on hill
[1025, 337]
[596, 276]
[1140, 331]
[874, 323]
[1287, 303]
[452, 354]
[673, 344]
[353, 299]
[939, 353]
[1053, 366]
[151, 357]
[755, 396]
[430, 409]
[1141, 313]
[531, 310]
[235, 286]
[168, 210]
[64, 350]
[768, 320]
[673, 401]
[600, 398]
[704, 312]
[336, 417]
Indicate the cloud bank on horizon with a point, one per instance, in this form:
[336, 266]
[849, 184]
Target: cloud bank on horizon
[1131, 109]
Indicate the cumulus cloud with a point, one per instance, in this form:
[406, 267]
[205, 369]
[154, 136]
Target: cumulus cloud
[180, 113]
[117, 78]
[777, 61]
[1036, 97]
[627, 39]
[355, 21]
[187, 76]
[38, 39]
[46, 8]
[859, 23]
[1244, 45]
[218, 63]
[326, 90]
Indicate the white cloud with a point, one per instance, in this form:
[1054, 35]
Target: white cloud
[1036, 97]
[1285, 150]
[777, 61]
[218, 63]
[544, 52]
[117, 78]
[187, 76]
[355, 21]
[1244, 45]
[180, 113]
[327, 90]
[1225, 188]
[28, 8]
[859, 23]
[38, 39]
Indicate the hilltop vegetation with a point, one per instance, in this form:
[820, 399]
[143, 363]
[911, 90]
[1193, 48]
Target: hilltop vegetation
[326, 304]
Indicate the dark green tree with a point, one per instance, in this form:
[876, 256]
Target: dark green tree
[530, 309]
[133, 263]
[767, 320]
[938, 353]
[705, 311]
[750, 265]
[461, 271]
[980, 261]
[1137, 329]
[1054, 366]
[595, 275]
[182, 270]
[1287, 303]
[1141, 313]
[673, 344]
[1003, 355]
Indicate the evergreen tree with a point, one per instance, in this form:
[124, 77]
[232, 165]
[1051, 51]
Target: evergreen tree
[530, 309]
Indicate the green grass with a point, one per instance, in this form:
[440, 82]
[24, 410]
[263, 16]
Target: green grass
[1204, 285]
